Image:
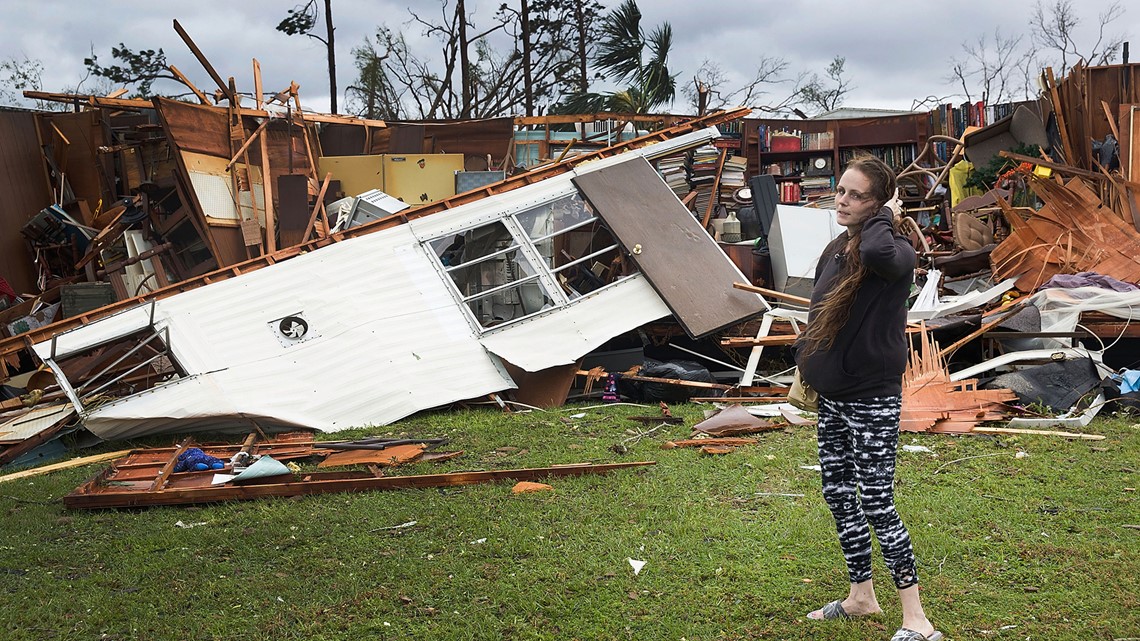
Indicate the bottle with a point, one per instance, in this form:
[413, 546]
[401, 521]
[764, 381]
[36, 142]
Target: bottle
[731, 230]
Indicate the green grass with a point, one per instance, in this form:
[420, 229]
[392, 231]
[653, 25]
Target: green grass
[1034, 542]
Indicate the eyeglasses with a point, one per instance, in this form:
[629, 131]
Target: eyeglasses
[853, 195]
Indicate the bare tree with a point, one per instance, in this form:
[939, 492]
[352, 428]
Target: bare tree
[303, 19]
[1054, 29]
[18, 76]
[987, 70]
[826, 94]
[711, 80]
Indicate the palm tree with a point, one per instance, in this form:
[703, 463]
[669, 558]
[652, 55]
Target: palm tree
[622, 58]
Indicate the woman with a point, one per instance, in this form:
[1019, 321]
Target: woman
[853, 352]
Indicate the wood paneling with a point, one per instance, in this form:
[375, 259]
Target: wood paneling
[678, 257]
[24, 185]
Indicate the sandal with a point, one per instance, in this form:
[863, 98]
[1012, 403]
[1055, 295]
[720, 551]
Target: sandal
[906, 634]
[833, 610]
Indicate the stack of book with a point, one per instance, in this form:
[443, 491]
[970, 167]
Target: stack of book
[732, 176]
[674, 173]
[702, 174]
[815, 188]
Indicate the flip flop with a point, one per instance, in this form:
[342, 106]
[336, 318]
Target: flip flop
[906, 634]
[833, 610]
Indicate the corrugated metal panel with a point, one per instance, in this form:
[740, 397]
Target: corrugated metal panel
[386, 339]
[33, 422]
[563, 337]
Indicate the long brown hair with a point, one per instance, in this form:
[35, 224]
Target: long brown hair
[832, 313]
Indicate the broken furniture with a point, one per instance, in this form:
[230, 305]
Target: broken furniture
[1020, 128]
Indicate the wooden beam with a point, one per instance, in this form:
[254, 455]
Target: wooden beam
[168, 468]
[791, 298]
[764, 341]
[202, 60]
[258, 99]
[715, 193]
[1055, 166]
[95, 494]
[267, 189]
[137, 104]
[667, 381]
[65, 465]
[1013, 430]
[186, 81]
[1056, 99]
[1014, 309]
[318, 207]
[248, 141]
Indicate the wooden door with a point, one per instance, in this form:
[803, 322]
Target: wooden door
[678, 257]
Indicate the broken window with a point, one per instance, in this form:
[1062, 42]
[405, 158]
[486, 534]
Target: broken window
[120, 367]
[536, 259]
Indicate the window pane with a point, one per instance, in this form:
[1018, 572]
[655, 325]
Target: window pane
[566, 230]
[483, 263]
[555, 216]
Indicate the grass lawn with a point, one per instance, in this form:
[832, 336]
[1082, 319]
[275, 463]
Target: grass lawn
[1025, 540]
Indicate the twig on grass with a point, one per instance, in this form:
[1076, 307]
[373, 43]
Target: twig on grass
[959, 460]
[640, 435]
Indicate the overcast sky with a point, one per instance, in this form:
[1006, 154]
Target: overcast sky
[897, 52]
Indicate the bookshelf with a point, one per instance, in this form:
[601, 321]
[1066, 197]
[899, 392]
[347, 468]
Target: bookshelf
[812, 153]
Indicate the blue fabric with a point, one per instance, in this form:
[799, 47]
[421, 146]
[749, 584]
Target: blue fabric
[195, 459]
[1130, 381]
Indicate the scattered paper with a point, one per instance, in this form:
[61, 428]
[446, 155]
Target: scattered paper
[396, 527]
[187, 526]
[917, 448]
[815, 468]
[222, 478]
[578, 415]
[479, 541]
[636, 565]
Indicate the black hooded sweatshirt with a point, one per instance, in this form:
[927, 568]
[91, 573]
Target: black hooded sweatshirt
[869, 355]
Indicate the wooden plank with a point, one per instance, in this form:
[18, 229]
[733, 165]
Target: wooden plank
[714, 195]
[1058, 109]
[64, 465]
[270, 210]
[204, 62]
[389, 456]
[186, 81]
[97, 494]
[791, 298]
[168, 468]
[667, 243]
[1012, 430]
[319, 207]
[258, 96]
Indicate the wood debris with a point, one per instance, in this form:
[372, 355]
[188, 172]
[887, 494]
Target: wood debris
[1074, 232]
[931, 402]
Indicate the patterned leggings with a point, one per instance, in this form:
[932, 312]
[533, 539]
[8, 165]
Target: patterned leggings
[857, 445]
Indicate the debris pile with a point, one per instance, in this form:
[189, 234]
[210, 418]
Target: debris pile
[176, 267]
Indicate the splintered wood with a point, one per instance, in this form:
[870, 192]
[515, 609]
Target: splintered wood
[1073, 232]
[931, 402]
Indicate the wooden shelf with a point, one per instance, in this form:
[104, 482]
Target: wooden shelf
[798, 154]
